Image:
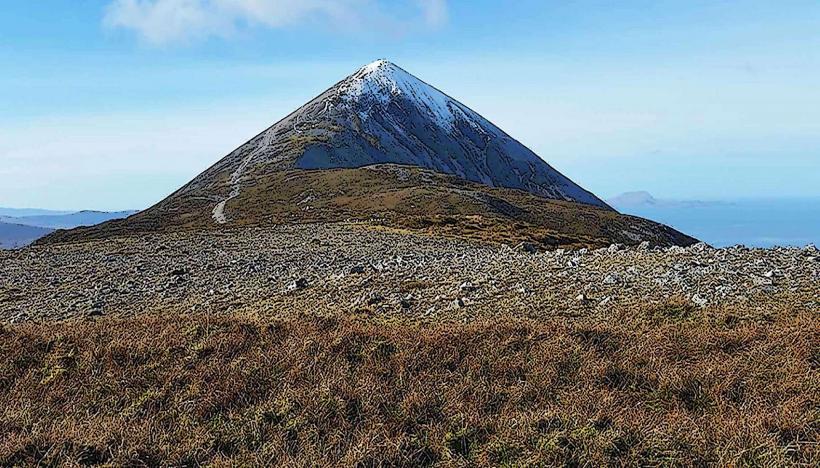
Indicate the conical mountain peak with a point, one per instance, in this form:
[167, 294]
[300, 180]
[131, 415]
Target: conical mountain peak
[382, 114]
[346, 155]
[380, 79]
[380, 70]
[380, 64]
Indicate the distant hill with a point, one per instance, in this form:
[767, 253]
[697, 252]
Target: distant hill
[19, 231]
[643, 199]
[17, 212]
[640, 198]
[67, 221]
[13, 236]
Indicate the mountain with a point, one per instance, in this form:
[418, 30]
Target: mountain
[382, 114]
[379, 119]
[17, 212]
[643, 199]
[32, 224]
[67, 220]
[13, 236]
[627, 199]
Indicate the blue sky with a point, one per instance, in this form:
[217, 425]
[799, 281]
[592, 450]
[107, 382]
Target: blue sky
[114, 104]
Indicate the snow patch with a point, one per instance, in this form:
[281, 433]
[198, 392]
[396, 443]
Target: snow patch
[380, 82]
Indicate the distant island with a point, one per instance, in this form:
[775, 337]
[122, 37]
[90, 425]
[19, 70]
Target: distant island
[722, 223]
[642, 198]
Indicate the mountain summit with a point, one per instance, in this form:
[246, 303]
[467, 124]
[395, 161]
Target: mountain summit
[383, 114]
[382, 146]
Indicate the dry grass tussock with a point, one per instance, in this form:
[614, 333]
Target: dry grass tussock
[657, 387]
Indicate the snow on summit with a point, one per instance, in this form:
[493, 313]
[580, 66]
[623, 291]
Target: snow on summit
[383, 81]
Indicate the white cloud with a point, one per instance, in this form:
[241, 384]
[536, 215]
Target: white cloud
[166, 21]
[435, 11]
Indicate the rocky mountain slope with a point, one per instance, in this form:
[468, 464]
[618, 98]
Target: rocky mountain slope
[347, 269]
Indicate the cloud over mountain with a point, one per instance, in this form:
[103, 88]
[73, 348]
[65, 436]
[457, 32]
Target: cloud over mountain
[162, 22]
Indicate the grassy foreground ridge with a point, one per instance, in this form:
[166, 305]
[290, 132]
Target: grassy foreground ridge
[666, 386]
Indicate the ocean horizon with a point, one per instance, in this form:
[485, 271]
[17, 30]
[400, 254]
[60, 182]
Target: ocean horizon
[787, 222]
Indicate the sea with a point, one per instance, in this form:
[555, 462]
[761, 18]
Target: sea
[753, 223]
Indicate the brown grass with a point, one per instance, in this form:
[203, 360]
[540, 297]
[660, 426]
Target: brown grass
[417, 200]
[657, 388]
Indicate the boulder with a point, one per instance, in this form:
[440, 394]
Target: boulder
[527, 247]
